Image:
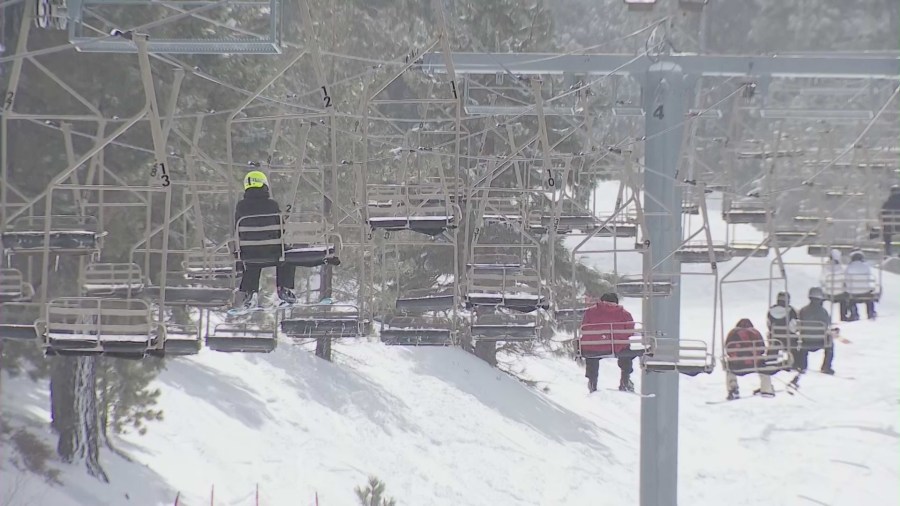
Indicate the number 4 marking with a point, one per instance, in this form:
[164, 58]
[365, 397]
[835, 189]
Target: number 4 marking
[658, 112]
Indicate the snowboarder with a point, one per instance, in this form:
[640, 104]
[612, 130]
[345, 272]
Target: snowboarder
[746, 353]
[860, 286]
[608, 321]
[815, 312]
[832, 281]
[263, 211]
[890, 218]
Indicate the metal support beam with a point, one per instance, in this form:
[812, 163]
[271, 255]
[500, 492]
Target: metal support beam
[663, 102]
[823, 65]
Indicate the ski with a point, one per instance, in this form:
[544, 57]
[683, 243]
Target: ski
[723, 401]
[646, 396]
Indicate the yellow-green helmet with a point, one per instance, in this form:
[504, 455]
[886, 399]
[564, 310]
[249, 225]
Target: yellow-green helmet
[255, 179]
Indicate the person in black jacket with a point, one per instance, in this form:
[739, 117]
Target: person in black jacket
[258, 209]
[890, 218]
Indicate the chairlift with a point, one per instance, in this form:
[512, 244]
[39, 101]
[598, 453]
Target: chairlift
[504, 327]
[636, 286]
[17, 320]
[315, 321]
[420, 330]
[742, 358]
[13, 287]
[181, 340]
[684, 356]
[112, 280]
[121, 328]
[699, 253]
[241, 338]
[805, 335]
[74, 235]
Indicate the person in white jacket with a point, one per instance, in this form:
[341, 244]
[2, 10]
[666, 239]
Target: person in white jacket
[860, 285]
[832, 282]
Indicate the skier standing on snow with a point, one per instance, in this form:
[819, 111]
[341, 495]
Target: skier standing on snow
[746, 352]
[860, 284]
[609, 327]
[890, 218]
[832, 282]
[258, 209]
[815, 312]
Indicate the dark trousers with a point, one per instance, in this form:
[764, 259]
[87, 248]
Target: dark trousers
[284, 277]
[801, 358]
[592, 367]
[854, 312]
[887, 242]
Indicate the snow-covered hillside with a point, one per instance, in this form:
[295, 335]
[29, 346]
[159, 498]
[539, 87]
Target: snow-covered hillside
[440, 427]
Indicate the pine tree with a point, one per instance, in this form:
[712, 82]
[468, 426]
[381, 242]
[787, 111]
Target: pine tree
[373, 494]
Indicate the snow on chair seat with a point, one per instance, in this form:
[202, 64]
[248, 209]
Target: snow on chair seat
[697, 253]
[745, 213]
[13, 287]
[743, 357]
[796, 237]
[748, 250]
[17, 320]
[635, 286]
[87, 326]
[425, 299]
[323, 321]
[77, 235]
[112, 280]
[241, 338]
[684, 356]
[416, 331]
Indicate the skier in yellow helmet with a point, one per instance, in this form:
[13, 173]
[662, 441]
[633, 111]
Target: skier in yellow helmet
[257, 208]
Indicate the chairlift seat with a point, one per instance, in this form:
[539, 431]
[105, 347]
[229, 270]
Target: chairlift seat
[13, 287]
[182, 340]
[504, 332]
[741, 359]
[200, 264]
[112, 280]
[699, 254]
[741, 250]
[689, 357]
[636, 288]
[806, 335]
[91, 326]
[241, 339]
[416, 331]
[800, 237]
[196, 295]
[323, 320]
[17, 320]
[424, 302]
[76, 235]
[312, 255]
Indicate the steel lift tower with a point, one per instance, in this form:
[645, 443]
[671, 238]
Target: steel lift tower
[667, 83]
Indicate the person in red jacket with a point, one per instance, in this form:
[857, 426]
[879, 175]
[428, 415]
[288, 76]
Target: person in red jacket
[745, 351]
[606, 330]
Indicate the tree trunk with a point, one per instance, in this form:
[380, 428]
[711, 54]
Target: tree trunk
[73, 393]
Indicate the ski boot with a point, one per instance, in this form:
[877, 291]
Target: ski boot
[625, 385]
[286, 297]
[733, 394]
[248, 302]
[759, 392]
[592, 386]
[827, 370]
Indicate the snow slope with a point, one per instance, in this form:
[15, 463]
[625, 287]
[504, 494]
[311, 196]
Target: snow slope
[442, 428]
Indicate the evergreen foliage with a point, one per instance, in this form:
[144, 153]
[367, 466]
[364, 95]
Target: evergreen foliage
[372, 494]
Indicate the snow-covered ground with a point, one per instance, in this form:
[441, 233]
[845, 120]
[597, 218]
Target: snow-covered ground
[440, 427]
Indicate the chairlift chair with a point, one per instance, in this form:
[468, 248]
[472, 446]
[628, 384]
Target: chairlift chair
[13, 287]
[742, 358]
[17, 320]
[504, 327]
[241, 338]
[314, 321]
[635, 286]
[684, 356]
[419, 330]
[181, 340]
[73, 235]
[122, 328]
[112, 280]
[805, 335]
[603, 334]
